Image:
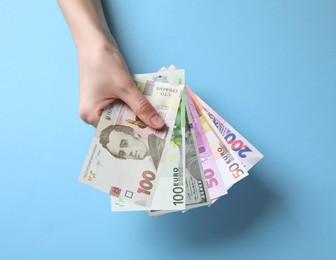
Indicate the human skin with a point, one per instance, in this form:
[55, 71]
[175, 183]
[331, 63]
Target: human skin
[103, 73]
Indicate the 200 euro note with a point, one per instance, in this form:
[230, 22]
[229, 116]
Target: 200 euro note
[245, 151]
[170, 191]
[126, 155]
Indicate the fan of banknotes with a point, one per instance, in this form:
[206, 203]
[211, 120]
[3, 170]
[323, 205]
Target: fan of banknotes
[190, 163]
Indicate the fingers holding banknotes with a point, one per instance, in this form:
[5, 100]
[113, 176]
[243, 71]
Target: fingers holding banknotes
[104, 78]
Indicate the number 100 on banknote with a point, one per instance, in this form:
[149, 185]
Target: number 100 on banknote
[126, 156]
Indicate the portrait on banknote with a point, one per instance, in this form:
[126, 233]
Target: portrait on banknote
[122, 142]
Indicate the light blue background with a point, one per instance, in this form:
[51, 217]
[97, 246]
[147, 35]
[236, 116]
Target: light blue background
[268, 67]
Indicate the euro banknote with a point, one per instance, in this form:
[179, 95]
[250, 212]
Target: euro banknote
[196, 191]
[234, 170]
[211, 171]
[245, 151]
[191, 163]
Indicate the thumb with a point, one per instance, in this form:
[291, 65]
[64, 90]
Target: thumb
[143, 109]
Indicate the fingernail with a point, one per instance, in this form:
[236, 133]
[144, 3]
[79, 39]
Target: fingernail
[157, 120]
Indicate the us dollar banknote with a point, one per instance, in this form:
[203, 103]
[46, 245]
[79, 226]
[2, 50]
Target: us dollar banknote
[125, 155]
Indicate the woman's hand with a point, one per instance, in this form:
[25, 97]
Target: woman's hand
[103, 73]
[104, 77]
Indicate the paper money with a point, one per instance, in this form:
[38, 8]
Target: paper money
[196, 189]
[164, 75]
[246, 152]
[197, 194]
[234, 170]
[125, 156]
[170, 191]
[211, 171]
[118, 205]
[191, 163]
[171, 76]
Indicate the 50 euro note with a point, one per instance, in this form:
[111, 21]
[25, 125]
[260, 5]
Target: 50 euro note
[211, 170]
[170, 191]
[246, 152]
[126, 155]
[232, 169]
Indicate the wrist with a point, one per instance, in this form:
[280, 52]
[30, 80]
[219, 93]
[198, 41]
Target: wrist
[96, 43]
